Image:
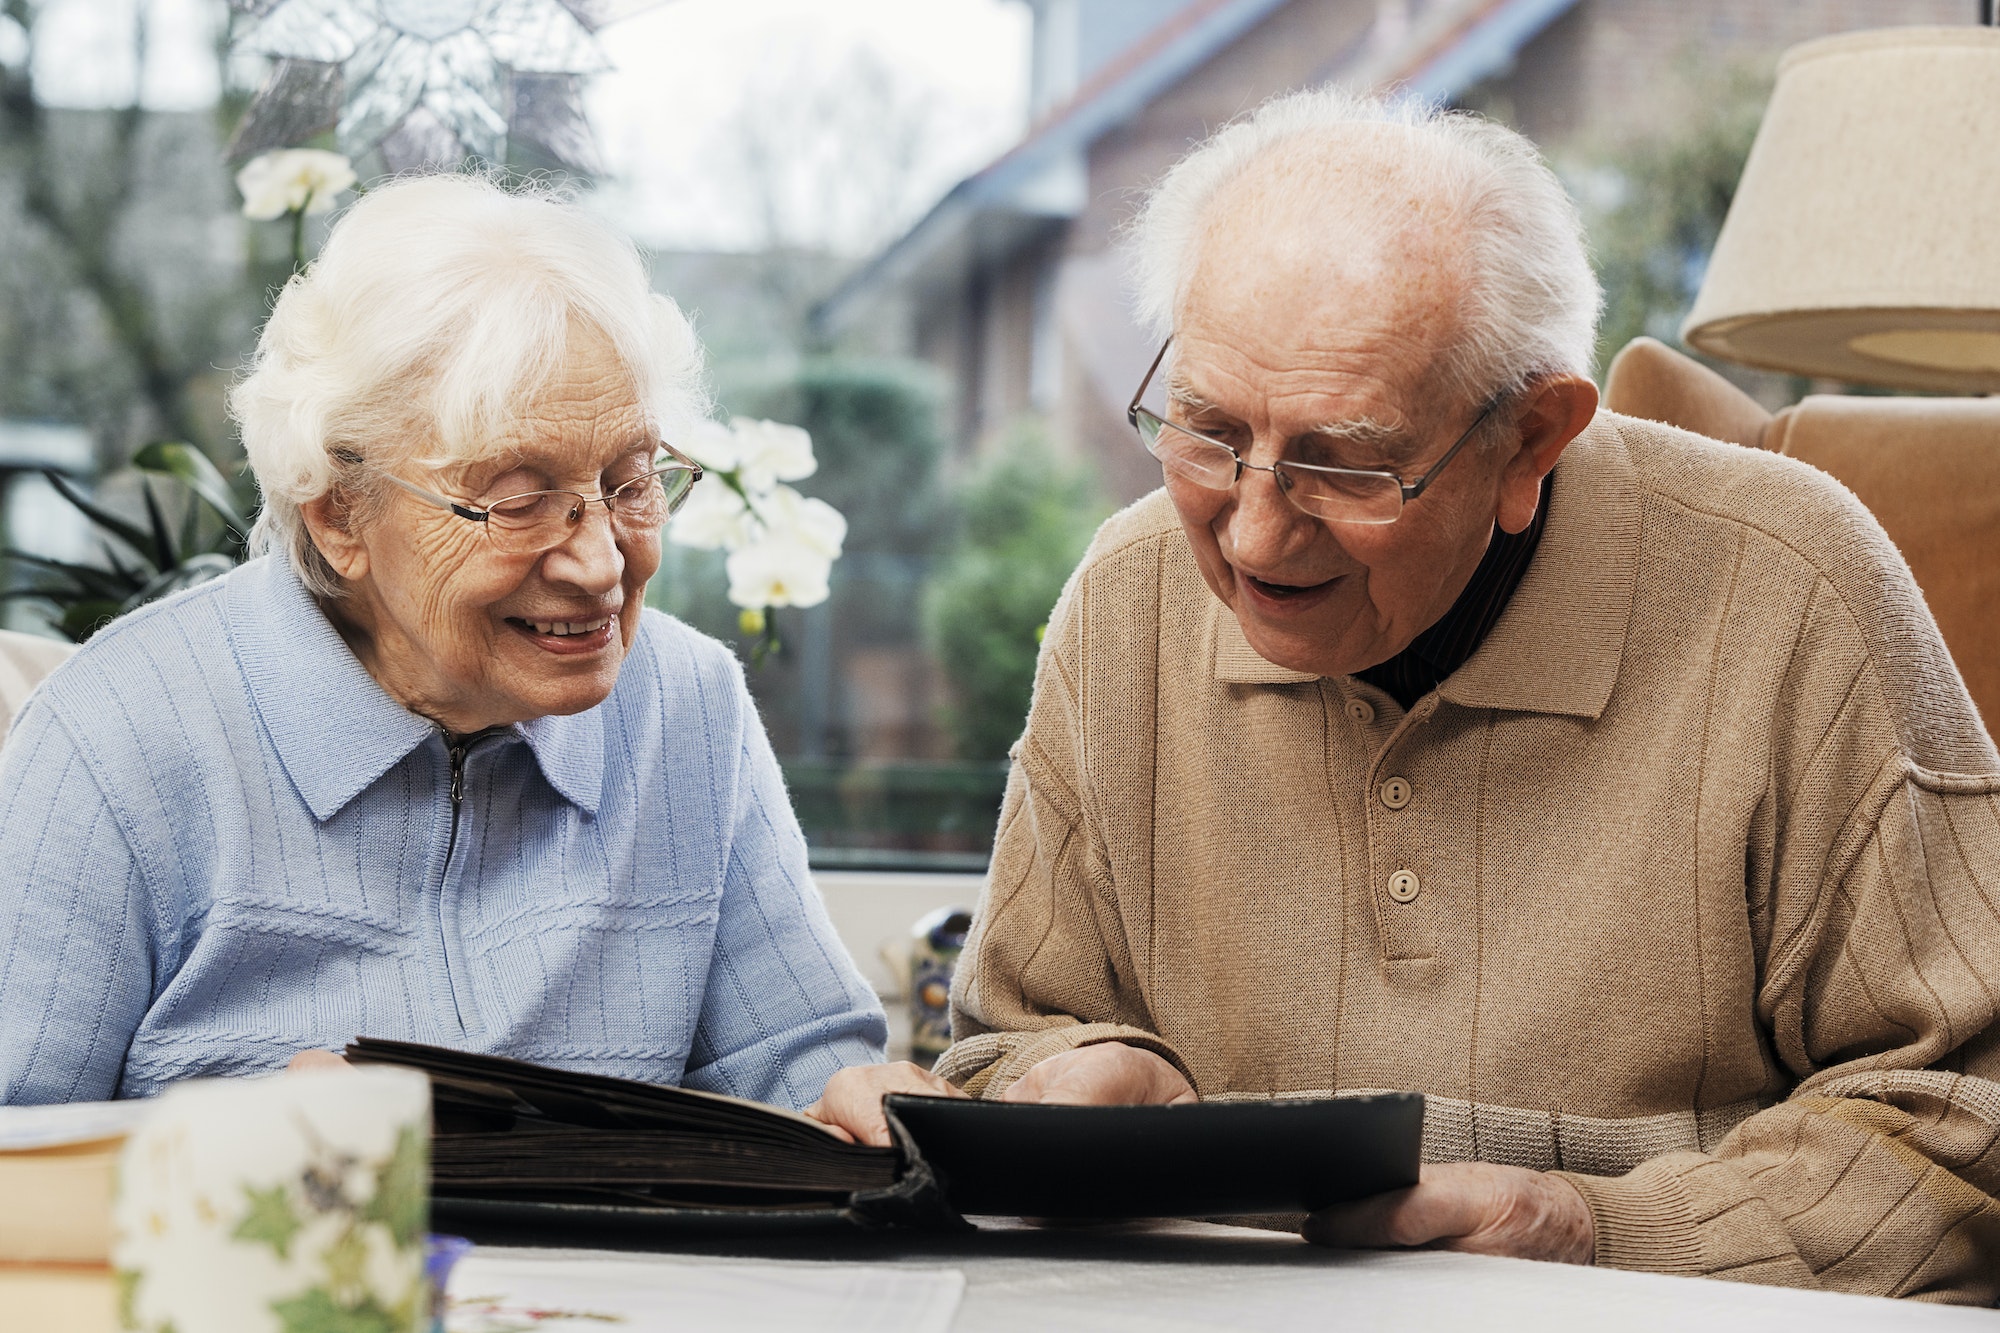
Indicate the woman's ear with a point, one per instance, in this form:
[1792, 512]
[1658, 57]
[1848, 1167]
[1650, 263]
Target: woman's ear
[330, 520]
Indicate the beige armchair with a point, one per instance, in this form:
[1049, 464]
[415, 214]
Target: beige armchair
[1928, 468]
[24, 660]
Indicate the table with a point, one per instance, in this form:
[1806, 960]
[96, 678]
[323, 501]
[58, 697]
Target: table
[1181, 1277]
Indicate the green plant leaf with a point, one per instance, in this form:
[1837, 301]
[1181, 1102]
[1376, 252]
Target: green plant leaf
[128, 1297]
[163, 536]
[400, 1200]
[346, 1261]
[84, 618]
[316, 1311]
[195, 569]
[136, 577]
[271, 1220]
[190, 466]
[131, 534]
[89, 578]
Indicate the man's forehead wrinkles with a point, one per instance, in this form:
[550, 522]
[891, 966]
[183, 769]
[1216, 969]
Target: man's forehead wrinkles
[1346, 403]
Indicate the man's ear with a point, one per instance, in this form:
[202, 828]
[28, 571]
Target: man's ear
[330, 520]
[1558, 409]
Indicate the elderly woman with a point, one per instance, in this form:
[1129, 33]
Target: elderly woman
[427, 767]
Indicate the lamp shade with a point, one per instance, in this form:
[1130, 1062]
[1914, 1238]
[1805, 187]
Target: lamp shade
[1863, 243]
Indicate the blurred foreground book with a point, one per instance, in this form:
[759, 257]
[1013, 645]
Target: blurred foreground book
[58, 1166]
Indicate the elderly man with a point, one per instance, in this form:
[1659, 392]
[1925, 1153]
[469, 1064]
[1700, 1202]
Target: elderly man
[1434, 731]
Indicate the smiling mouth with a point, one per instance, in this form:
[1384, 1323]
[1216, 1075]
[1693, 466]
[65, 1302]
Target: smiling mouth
[1282, 591]
[561, 629]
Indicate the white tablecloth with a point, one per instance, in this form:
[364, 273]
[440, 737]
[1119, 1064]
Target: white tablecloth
[1196, 1276]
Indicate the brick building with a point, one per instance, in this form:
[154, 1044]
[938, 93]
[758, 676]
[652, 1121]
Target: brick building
[1011, 285]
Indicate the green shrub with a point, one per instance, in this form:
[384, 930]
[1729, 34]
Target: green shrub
[1026, 518]
[875, 431]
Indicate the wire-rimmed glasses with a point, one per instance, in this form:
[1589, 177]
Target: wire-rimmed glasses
[537, 521]
[1338, 494]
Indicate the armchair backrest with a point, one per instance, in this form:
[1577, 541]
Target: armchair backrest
[1927, 468]
[1650, 380]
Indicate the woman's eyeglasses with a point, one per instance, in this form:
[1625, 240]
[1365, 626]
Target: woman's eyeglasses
[537, 521]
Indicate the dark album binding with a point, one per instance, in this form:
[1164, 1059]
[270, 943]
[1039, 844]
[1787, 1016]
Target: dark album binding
[525, 1146]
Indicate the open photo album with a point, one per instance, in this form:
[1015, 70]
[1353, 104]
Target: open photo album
[526, 1145]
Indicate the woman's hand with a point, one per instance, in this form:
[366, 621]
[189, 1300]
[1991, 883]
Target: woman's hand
[851, 1106]
[306, 1062]
[1107, 1074]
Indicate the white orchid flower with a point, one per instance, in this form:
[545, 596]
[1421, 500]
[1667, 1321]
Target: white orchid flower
[711, 444]
[305, 180]
[769, 452]
[777, 571]
[814, 524]
[714, 516]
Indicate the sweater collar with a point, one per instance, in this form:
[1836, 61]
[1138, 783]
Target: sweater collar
[335, 729]
[1557, 646]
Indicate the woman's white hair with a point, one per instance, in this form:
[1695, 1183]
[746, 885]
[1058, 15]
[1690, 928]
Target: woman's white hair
[1531, 299]
[437, 310]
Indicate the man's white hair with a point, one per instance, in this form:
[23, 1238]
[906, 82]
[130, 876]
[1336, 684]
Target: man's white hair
[1532, 300]
[438, 308]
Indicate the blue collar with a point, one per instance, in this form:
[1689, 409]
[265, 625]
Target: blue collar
[335, 729]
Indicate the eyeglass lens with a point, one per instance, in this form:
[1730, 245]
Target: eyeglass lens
[540, 520]
[1344, 496]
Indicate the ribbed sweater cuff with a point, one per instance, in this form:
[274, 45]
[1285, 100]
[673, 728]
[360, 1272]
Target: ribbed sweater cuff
[988, 1064]
[1644, 1220]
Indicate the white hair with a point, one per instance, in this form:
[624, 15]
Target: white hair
[438, 308]
[1531, 299]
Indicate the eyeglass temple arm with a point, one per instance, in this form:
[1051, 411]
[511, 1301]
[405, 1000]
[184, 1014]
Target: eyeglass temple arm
[685, 462]
[1132, 408]
[442, 502]
[1411, 490]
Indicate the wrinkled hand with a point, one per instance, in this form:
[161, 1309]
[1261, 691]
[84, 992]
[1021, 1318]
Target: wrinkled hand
[306, 1062]
[1107, 1074]
[851, 1106]
[1471, 1206]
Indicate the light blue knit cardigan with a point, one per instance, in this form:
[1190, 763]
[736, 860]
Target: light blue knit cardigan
[221, 843]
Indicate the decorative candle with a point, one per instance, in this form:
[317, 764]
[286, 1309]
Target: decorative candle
[276, 1204]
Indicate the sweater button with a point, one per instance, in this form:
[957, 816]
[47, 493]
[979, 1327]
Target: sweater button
[1403, 886]
[1361, 711]
[1396, 793]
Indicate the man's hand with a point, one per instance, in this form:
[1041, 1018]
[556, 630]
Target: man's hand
[1471, 1206]
[851, 1106]
[308, 1061]
[1107, 1074]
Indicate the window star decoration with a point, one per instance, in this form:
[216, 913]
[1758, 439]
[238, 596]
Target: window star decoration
[427, 83]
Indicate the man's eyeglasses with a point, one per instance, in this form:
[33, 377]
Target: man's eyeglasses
[537, 521]
[1338, 494]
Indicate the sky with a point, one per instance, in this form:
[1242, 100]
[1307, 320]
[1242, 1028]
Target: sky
[689, 70]
[688, 76]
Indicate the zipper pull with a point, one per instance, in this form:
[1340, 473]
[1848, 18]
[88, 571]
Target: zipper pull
[457, 773]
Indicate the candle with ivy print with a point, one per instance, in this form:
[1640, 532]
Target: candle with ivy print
[289, 1204]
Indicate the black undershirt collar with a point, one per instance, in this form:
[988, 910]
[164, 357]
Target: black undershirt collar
[1445, 646]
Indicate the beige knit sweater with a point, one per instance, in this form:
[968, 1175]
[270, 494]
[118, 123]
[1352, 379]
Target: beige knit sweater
[1692, 892]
